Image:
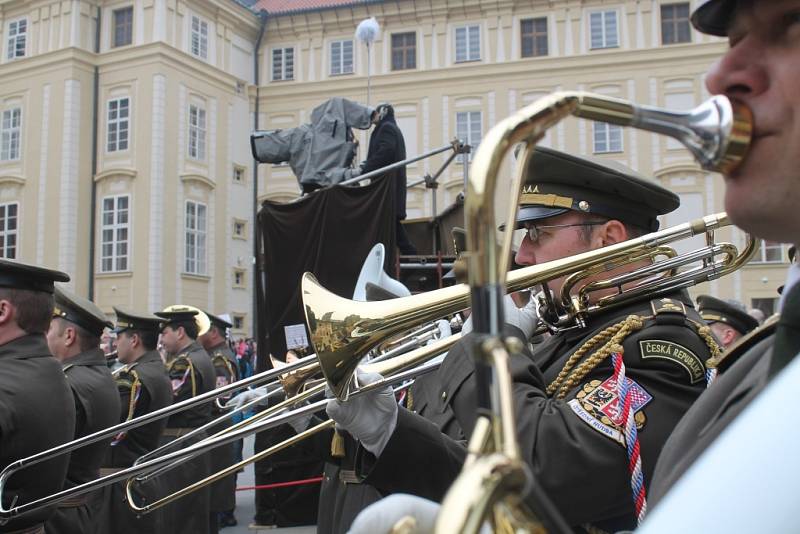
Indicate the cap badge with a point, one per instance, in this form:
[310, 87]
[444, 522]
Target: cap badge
[583, 205]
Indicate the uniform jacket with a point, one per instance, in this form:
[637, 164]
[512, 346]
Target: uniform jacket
[189, 381]
[97, 407]
[387, 146]
[36, 413]
[223, 492]
[576, 453]
[152, 391]
[728, 395]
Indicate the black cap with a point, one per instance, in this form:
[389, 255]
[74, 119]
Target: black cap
[80, 311]
[176, 314]
[136, 321]
[219, 322]
[715, 310]
[558, 182]
[18, 275]
[714, 16]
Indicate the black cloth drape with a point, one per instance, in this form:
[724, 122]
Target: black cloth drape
[329, 233]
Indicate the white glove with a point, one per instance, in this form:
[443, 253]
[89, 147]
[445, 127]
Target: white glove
[370, 418]
[300, 423]
[525, 318]
[444, 331]
[384, 515]
[248, 395]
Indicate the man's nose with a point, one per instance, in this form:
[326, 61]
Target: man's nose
[740, 72]
[525, 254]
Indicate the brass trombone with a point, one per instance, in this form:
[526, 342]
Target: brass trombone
[398, 369]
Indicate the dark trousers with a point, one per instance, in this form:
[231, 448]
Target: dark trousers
[405, 245]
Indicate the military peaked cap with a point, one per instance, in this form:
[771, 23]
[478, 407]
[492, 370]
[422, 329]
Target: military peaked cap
[135, 321]
[715, 310]
[714, 16]
[16, 275]
[557, 182]
[219, 322]
[80, 311]
[176, 314]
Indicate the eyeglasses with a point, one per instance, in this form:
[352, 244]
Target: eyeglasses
[535, 232]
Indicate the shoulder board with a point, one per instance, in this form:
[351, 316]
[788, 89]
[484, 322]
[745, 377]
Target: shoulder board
[67, 367]
[131, 366]
[741, 345]
[666, 305]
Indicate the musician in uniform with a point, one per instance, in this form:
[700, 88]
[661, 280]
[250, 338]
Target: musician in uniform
[74, 340]
[36, 407]
[760, 69]
[192, 373]
[728, 321]
[143, 387]
[572, 432]
[223, 492]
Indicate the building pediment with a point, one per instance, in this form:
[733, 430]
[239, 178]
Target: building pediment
[115, 173]
[199, 179]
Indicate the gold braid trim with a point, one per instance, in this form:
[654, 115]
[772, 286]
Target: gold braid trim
[135, 386]
[704, 331]
[611, 337]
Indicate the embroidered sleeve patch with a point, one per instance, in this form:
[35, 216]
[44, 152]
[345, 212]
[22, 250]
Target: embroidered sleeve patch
[597, 404]
[667, 350]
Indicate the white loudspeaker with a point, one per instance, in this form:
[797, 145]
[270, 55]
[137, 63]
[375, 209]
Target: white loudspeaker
[372, 272]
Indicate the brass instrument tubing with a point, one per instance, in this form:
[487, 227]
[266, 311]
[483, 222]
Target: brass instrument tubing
[17, 465]
[279, 420]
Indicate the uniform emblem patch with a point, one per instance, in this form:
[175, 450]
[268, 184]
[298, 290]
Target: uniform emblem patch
[667, 350]
[597, 404]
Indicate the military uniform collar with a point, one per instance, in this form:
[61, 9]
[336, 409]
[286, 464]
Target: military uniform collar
[147, 357]
[222, 346]
[90, 357]
[24, 347]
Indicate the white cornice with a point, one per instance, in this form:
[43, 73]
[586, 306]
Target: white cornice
[119, 171]
[11, 179]
[199, 178]
[686, 166]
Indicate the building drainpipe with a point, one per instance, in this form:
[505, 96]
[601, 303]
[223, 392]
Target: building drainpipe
[95, 115]
[256, 284]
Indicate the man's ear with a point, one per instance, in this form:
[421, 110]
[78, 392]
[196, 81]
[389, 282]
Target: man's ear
[611, 233]
[7, 311]
[70, 336]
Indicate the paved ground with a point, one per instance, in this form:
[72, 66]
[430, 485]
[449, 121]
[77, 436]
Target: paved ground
[246, 504]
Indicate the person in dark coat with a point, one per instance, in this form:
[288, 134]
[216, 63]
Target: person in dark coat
[37, 410]
[387, 146]
[570, 429]
[192, 373]
[74, 340]
[760, 69]
[143, 387]
[223, 492]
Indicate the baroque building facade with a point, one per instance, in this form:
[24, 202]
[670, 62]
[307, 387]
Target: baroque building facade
[124, 125]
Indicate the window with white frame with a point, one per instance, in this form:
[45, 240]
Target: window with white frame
[770, 252]
[118, 124]
[342, 57]
[238, 174]
[675, 23]
[603, 29]
[16, 42]
[238, 321]
[469, 129]
[404, 50]
[199, 37]
[533, 36]
[282, 64]
[115, 225]
[10, 134]
[239, 278]
[607, 138]
[468, 43]
[195, 232]
[8, 230]
[197, 132]
[122, 27]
